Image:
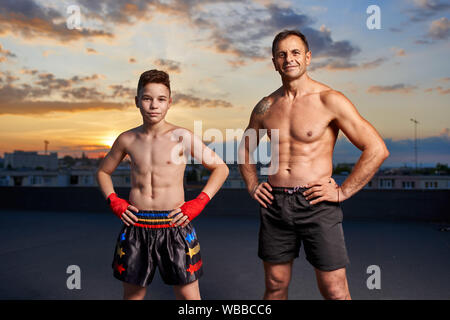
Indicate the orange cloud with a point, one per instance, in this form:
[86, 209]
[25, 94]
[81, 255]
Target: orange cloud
[42, 107]
[91, 51]
[345, 65]
[168, 65]
[439, 89]
[191, 101]
[396, 88]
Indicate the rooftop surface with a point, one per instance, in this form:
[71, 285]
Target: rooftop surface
[37, 247]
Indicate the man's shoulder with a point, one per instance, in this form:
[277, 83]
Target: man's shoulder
[264, 104]
[332, 98]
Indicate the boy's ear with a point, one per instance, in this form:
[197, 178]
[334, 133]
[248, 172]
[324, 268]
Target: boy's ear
[170, 102]
[136, 101]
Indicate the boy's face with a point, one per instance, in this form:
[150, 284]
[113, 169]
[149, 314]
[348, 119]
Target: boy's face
[153, 102]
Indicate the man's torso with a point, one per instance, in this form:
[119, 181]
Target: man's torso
[307, 135]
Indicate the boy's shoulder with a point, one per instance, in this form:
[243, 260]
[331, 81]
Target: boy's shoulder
[131, 132]
[129, 135]
[178, 131]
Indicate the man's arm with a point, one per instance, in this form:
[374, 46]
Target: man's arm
[103, 175]
[361, 134]
[247, 166]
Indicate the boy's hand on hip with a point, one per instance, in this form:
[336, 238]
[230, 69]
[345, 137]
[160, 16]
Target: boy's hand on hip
[189, 210]
[122, 209]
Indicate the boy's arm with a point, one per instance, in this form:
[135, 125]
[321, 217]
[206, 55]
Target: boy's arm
[108, 165]
[212, 162]
[219, 173]
[120, 207]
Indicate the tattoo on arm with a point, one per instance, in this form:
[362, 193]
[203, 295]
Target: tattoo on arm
[262, 107]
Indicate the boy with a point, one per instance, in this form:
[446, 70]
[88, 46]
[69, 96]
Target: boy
[157, 229]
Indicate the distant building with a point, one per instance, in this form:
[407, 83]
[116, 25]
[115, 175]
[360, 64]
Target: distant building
[28, 178]
[84, 176]
[31, 160]
[405, 182]
[62, 178]
[234, 179]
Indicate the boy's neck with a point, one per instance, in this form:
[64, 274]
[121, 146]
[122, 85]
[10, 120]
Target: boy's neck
[154, 128]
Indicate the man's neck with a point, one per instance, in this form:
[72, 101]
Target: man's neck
[297, 87]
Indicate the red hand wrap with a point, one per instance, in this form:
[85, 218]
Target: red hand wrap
[117, 205]
[194, 207]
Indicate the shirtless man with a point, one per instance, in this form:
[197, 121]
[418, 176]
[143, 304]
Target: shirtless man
[157, 231]
[300, 202]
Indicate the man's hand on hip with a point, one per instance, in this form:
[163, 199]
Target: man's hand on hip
[262, 194]
[324, 190]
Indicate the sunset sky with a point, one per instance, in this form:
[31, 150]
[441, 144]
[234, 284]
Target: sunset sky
[76, 87]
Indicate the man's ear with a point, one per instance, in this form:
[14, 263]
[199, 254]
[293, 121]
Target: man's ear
[170, 102]
[274, 65]
[308, 58]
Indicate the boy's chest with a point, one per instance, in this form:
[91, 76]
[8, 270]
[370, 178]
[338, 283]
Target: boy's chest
[155, 152]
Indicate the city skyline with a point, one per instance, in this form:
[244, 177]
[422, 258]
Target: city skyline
[76, 87]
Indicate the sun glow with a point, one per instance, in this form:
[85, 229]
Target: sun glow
[109, 141]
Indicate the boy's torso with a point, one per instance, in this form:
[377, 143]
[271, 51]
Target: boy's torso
[157, 170]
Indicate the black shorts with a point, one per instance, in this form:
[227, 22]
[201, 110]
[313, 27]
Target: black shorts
[153, 243]
[291, 220]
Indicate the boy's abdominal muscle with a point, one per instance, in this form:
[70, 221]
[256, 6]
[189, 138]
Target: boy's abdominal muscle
[157, 197]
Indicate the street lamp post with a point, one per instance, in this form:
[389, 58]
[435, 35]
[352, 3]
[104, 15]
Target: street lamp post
[415, 140]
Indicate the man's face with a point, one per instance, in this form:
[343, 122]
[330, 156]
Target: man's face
[291, 58]
[153, 102]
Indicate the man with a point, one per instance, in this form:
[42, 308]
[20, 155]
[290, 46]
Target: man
[157, 231]
[300, 201]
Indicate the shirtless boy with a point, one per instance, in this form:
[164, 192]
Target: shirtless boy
[157, 230]
[300, 202]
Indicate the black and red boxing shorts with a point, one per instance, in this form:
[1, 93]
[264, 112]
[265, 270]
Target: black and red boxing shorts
[152, 243]
[290, 221]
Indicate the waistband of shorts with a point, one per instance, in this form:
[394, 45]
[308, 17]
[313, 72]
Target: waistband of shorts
[153, 219]
[288, 190]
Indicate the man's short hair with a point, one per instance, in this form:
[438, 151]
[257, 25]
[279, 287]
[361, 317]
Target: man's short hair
[153, 76]
[286, 33]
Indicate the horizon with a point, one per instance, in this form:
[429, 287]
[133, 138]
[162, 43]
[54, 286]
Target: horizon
[342, 155]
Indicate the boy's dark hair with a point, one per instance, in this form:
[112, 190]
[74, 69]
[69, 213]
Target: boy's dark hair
[286, 33]
[153, 76]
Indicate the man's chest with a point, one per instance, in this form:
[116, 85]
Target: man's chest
[304, 123]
